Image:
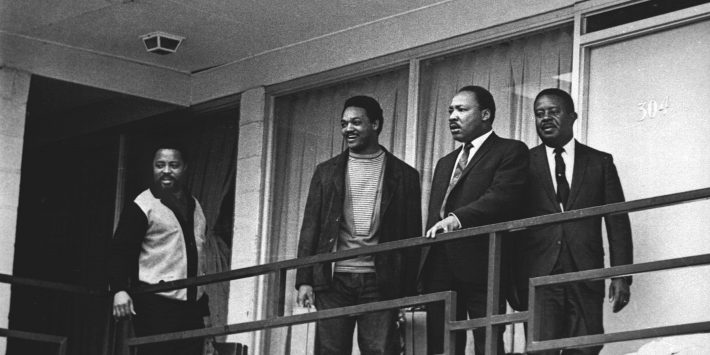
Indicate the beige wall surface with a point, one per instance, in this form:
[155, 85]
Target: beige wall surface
[14, 86]
[651, 114]
[248, 237]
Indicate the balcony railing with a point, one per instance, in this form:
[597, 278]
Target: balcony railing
[492, 321]
[32, 336]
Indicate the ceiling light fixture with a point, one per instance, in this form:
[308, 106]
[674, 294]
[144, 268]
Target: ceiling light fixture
[161, 43]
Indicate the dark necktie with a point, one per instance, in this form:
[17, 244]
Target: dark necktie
[458, 170]
[560, 175]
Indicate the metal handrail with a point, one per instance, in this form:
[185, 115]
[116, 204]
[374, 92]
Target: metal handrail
[55, 339]
[491, 321]
[610, 209]
[535, 345]
[448, 297]
[51, 285]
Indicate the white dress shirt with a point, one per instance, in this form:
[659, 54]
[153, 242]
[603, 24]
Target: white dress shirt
[568, 157]
[476, 143]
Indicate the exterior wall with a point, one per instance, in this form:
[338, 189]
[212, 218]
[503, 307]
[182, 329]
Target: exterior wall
[249, 192]
[14, 87]
[617, 89]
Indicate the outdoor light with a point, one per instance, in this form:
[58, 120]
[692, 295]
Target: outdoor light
[161, 43]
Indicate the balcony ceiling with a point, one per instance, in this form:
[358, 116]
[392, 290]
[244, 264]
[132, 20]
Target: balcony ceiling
[217, 32]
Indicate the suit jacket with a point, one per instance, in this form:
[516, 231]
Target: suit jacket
[400, 217]
[488, 191]
[595, 182]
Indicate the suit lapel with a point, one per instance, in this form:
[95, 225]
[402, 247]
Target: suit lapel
[480, 153]
[443, 178]
[389, 183]
[339, 174]
[581, 160]
[389, 180]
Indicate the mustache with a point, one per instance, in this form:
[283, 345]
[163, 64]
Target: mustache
[163, 176]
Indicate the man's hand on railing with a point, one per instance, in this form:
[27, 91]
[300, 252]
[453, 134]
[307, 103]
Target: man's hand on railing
[305, 298]
[122, 305]
[619, 293]
[447, 224]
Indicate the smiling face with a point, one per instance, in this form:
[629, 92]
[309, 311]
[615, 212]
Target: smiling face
[168, 169]
[466, 120]
[359, 132]
[554, 120]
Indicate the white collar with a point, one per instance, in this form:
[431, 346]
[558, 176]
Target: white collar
[569, 148]
[478, 142]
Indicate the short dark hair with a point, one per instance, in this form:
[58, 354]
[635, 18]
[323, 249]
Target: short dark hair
[169, 143]
[371, 107]
[484, 98]
[566, 97]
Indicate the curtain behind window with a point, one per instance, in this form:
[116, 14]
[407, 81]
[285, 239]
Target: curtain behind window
[514, 72]
[308, 132]
[211, 176]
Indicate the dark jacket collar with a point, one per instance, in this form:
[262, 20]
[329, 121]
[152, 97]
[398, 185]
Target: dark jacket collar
[581, 158]
[480, 153]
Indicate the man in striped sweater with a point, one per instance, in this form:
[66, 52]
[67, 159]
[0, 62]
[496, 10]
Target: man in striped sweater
[362, 197]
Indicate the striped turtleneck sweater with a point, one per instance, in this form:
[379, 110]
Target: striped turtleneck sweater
[361, 209]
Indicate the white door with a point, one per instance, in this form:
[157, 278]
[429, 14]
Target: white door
[649, 105]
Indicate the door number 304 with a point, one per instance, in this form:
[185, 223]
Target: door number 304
[652, 108]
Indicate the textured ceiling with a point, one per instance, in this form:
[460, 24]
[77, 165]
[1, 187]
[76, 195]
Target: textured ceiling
[216, 31]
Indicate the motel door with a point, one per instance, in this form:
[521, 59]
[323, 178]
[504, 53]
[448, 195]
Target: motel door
[647, 100]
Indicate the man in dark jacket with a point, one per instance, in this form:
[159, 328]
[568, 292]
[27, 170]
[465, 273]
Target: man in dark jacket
[362, 197]
[481, 182]
[566, 175]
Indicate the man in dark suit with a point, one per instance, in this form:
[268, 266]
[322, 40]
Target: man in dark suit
[567, 175]
[362, 197]
[479, 183]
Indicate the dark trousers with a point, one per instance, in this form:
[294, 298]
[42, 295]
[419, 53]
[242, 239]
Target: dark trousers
[470, 298]
[157, 314]
[377, 333]
[570, 310]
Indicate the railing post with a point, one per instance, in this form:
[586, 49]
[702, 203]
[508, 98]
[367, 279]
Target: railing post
[277, 304]
[120, 333]
[449, 316]
[534, 315]
[62, 349]
[493, 296]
